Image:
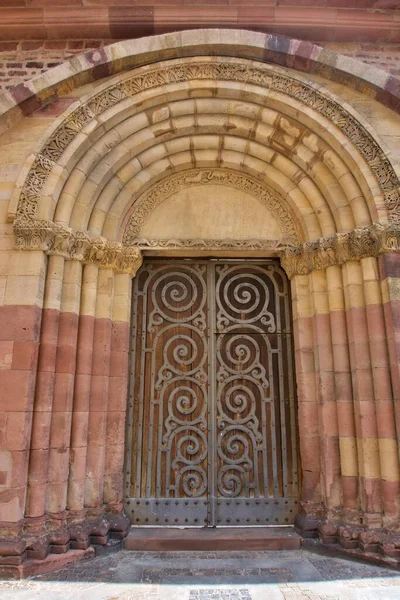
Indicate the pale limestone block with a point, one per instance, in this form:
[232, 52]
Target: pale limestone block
[89, 290]
[368, 458]
[3, 282]
[211, 211]
[389, 459]
[348, 456]
[24, 290]
[54, 282]
[105, 293]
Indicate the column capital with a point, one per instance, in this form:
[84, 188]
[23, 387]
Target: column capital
[63, 241]
[340, 248]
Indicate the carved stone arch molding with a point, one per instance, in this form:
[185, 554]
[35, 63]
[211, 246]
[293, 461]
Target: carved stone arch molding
[80, 205]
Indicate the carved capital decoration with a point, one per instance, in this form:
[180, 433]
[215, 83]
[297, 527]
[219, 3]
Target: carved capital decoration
[76, 245]
[340, 248]
[220, 70]
[159, 192]
[297, 259]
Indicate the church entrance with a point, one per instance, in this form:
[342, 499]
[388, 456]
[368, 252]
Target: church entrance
[211, 437]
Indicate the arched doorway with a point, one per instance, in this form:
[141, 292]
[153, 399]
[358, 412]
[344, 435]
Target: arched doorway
[154, 162]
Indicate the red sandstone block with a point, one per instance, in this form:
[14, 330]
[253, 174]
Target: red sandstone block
[58, 465]
[376, 324]
[115, 427]
[310, 452]
[25, 355]
[17, 390]
[63, 392]
[60, 433]
[38, 466]
[50, 323]
[20, 323]
[308, 418]
[79, 430]
[359, 329]
[325, 356]
[120, 333]
[361, 354]
[36, 495]
[345, 414]
[47, 357]
[97, 428]
[362, 379]
[118, 393]
[99, 393]
[371, 494]
[390, 493]
[119, 364]
[115, 454]
[67, 23]
[78, 463]
[379, 353]
[68, 329]
[101, 347]
[305, 361]
[306, 387]
[366, 416]
[311, 486]
[350, 492]
[40, 428]
[341, 358]
[338, 327]
[56, 496]
[326, 386]
[66, 359]
[82, 392]
[44, 391]
[16, 430]
[382, 383]
[385, 419]
[20, 465]
[329, 420]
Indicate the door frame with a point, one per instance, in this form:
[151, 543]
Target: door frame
[256, 505]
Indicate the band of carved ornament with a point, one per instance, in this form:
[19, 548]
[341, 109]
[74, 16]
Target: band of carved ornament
[222, 70]
[76, 245]
[297, 259]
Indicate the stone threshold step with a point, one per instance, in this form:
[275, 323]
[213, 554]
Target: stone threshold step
[225, 538]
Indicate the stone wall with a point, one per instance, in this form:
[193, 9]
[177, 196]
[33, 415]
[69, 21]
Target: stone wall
[72, 191]
[22, 60]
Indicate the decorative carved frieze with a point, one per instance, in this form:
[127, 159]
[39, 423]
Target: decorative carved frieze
[340, 248]
[76, 245]
[297, 259]
[221, 70]
[272, 246]
[148, 201]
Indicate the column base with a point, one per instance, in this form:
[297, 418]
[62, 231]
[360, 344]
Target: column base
[41, 545]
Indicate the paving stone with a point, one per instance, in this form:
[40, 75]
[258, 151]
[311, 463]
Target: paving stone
[286, 575]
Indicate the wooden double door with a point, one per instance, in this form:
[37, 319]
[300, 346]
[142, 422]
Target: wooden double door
[211, 428]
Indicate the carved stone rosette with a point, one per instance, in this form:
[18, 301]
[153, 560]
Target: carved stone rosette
[76, 245]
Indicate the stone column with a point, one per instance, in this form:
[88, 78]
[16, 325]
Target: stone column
[20, 322]
[117, 390]
[363, 395]
[326, 400]
[309, 426]
[80, 414]
[43, 404]
[343, 392]
[96, 447]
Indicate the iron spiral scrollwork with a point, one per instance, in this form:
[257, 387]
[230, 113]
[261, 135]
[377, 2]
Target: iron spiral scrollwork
[211, 407]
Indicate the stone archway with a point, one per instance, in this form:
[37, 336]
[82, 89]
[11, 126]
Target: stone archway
[92, 187]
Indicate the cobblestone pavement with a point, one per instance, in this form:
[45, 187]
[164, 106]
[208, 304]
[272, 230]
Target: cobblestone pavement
[295, 575]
